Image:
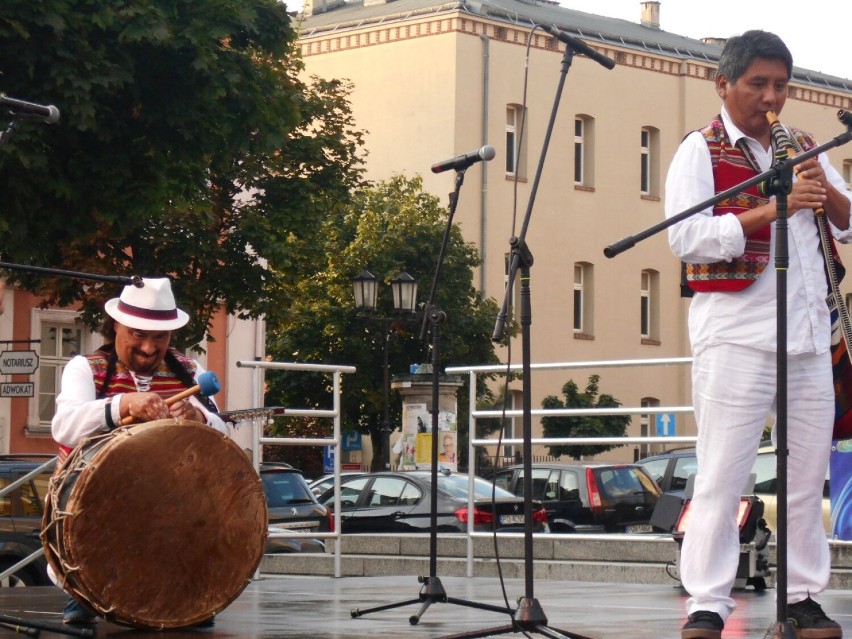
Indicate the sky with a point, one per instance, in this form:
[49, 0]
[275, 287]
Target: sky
[817, 31]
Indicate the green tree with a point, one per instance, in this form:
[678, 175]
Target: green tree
[390, 227]
[590, 426]
[186, 137]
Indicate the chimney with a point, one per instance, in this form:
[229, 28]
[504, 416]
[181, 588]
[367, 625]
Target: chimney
[651, 14]
[313, 7]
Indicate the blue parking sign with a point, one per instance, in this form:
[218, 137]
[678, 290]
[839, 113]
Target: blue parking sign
[351, 440]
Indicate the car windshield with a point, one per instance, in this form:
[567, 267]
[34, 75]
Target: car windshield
[285, 489]
[456, 485]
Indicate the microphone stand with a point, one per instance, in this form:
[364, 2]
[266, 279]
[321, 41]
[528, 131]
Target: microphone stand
[779, 181]
[433, 590]
[135, 280]
[529, 617]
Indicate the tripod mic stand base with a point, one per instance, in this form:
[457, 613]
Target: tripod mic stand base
[431, 592]
[529, 618]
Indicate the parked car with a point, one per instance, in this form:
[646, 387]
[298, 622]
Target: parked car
[321, 484]
[672, 470]
[21, 512]
[393, 502]
[588, 498]
[291, 503]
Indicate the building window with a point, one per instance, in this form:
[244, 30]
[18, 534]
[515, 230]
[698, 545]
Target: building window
[584, 127]
[649, 170]
[649, 307]
[579, 154]
[59, 338]
[515, 142]
[583, 299]
[648, 425]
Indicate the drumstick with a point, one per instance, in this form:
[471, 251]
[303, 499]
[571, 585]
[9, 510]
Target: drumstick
[208, 384]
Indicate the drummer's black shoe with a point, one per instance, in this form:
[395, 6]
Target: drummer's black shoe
[76, 614]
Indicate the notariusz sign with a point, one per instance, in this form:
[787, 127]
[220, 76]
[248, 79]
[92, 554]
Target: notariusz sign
[18, 362]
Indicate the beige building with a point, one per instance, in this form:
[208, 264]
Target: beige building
[436, 79]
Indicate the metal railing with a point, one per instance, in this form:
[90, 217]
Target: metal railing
[48, 466]
[335, 440]
[474, 442]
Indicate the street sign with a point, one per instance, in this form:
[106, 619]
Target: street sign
[26, 389]
[351, 441]
[665, 425]
[328, 459]
[18, 362]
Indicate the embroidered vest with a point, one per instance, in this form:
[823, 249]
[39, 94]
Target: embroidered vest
[731, 167]
[164, 382]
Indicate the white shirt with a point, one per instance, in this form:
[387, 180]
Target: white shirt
[79, 413]
[748, 317]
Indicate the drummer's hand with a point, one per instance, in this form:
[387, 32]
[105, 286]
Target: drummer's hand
[186, 410]
[144, 407]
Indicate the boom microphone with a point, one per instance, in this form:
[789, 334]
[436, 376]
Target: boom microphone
[579, 46]
[461, 162]
[49, 114]
[845, 116]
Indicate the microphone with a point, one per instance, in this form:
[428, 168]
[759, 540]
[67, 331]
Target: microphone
[461, 162]
[49, 114]
[579, 46]
[845, 116]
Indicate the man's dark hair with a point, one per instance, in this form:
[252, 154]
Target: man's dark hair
[740, 51]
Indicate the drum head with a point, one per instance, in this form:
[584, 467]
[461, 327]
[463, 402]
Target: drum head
[165, 525]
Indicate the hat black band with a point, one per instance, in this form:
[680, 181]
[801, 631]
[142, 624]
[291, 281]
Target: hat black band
[146, 313]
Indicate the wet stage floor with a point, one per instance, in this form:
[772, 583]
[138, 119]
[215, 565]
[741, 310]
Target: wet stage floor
[320, 608]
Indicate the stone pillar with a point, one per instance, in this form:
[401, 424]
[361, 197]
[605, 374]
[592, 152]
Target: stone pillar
[412, 447]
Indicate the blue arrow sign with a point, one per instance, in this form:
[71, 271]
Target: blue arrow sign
[665, 425]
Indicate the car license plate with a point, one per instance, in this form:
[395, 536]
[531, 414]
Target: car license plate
[301, 526]
[507, 520]
[638, 528]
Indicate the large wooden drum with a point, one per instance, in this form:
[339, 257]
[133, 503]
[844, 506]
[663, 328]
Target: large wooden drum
[156, 525]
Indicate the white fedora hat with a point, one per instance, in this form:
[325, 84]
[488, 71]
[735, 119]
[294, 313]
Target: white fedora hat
[150, 307]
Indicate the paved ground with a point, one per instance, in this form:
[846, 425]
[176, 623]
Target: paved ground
[319, 608]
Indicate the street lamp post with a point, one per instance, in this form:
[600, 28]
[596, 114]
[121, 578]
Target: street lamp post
[365, 290]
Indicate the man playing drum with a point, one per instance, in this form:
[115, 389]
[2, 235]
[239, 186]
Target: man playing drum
[129, 377]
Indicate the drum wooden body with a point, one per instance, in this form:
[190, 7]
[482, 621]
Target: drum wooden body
[156, 525]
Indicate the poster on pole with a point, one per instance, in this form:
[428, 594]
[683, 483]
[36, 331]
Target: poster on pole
[414, 447]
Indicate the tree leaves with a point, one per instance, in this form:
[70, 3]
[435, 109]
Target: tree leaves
[188, 146]
[578, 426]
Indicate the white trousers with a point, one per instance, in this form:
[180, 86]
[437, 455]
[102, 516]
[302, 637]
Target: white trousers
[734, 391]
